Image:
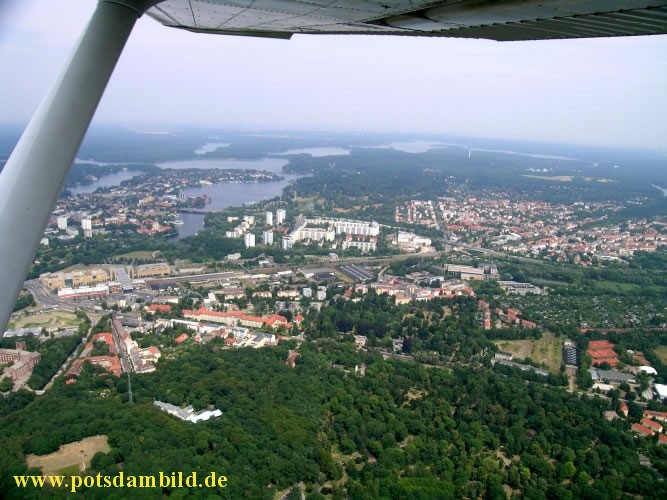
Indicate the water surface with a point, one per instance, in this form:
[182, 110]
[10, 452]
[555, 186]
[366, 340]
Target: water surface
[105, 181]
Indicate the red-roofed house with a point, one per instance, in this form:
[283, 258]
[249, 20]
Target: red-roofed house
[624, 408]
[181, 338]
[640, 429]
[654, 426]
[234, 318]
[153, 308]
[657, 415]
[662, 439]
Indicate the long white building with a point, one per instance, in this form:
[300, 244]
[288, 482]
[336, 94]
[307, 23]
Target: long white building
[348, 226]
[326, 229]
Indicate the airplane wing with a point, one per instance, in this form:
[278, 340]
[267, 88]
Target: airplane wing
[501, 20]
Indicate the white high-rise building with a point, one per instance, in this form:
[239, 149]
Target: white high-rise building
[281, 215]
[249, 240]
[87, 225]
[62, 222]
[269, 218]
[267, 237]
[287, 242]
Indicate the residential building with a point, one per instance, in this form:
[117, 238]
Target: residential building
[267, 237]
[249, 240]
[62, 222]
[281, 216]
[234, 318]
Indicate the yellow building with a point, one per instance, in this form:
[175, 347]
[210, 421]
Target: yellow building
[74, 279]
[158, 270]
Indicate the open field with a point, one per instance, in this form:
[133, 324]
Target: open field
[310, 203]
[520, 348]
[547, 350]
[661, 352]
[140, 254]
[70, 457]
[53, 319]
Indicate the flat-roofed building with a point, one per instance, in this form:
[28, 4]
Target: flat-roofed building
[74, 279]
[267, 237]
[281, 215]
[464, 272]
[249, 240]
[22, 361]
[124, 279]
[157, 270]
[83, 292]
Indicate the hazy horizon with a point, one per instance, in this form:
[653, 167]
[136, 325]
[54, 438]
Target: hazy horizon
[594, 92]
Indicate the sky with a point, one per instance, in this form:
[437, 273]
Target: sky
[597, 91]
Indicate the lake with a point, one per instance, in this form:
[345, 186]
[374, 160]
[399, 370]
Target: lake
[229, 194]
[222, 195]
[105, 181]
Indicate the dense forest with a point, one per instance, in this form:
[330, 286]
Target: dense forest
[400, 430]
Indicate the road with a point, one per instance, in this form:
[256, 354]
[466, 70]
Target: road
[67, 362]
[43, 296]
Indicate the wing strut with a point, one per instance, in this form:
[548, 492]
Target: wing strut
[35, 172]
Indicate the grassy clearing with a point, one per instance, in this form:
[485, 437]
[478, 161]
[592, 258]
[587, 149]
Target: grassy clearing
[520, 348]
[70, 457]
[140, 254]
[72, 470]
[50, 320]
[661, 352]
[311, 203]
[546, 350]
